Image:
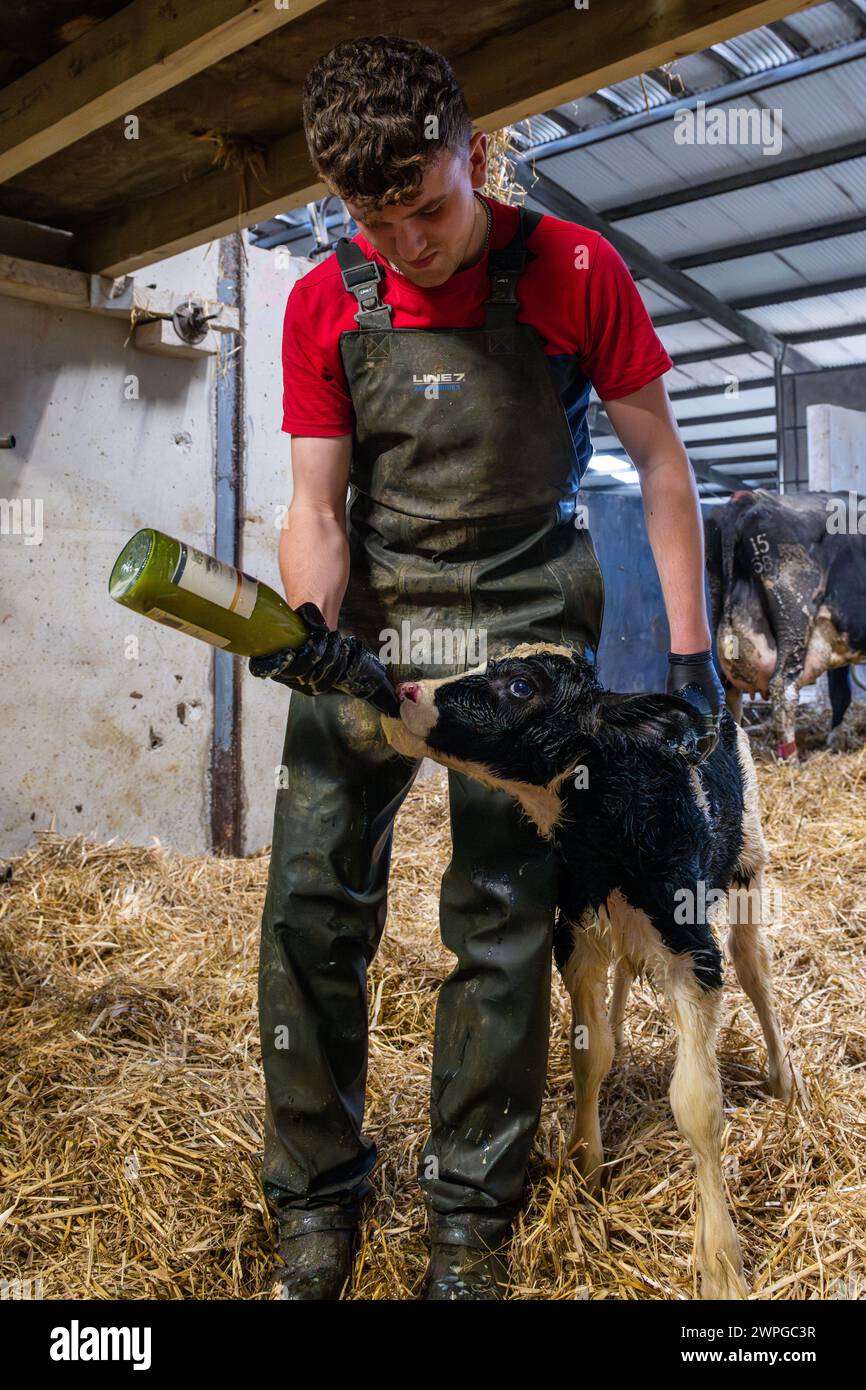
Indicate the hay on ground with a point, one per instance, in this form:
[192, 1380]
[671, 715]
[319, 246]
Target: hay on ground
[132, 1104]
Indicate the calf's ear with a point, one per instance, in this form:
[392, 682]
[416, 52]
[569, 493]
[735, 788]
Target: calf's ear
[660, 718]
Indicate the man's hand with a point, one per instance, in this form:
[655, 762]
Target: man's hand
[694, 678]
[329, 661]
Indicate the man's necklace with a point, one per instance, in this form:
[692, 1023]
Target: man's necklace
[486, 207]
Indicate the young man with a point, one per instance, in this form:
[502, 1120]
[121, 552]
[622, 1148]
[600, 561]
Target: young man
[441, 364]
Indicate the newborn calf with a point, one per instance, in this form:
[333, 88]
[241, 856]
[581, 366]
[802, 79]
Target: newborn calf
[646, 840]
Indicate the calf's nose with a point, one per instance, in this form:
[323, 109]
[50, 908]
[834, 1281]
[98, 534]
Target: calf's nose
[409, 690]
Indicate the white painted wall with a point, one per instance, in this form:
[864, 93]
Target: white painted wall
[837, 449]
[77, 737]
[267, 487]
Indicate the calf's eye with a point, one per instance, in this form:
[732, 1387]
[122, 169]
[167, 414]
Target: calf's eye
[520, 688]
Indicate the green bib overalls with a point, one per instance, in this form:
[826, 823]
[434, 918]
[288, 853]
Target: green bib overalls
[464, 481]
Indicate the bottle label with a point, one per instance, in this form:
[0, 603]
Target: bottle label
[191, 630]
[221, 584]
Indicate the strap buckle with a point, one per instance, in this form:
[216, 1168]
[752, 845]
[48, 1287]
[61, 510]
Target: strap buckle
[361, 281]
[360, 275]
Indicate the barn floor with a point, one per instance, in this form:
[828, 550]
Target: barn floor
[132, 1099]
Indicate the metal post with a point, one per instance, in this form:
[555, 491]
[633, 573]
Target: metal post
[226, 790]
[780, 426]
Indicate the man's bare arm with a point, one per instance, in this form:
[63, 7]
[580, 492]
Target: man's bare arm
[314, 549]
[647, 428]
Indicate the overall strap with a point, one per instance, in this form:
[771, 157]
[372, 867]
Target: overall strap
[361, 278]
[505, 267]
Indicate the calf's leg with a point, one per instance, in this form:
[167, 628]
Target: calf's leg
[696, 1100]
[750, 952]
[623, 979]
[590, 1043]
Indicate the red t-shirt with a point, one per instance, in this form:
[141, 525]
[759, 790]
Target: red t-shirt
[576, 292]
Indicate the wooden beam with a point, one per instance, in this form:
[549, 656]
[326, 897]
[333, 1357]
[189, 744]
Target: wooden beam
[72, 289]
[575, 53]
[222, 202]
[47, 284]
[160, 338]
[143, 50]
[572, 53]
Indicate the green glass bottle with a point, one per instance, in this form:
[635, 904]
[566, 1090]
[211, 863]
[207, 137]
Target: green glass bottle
[175, 584]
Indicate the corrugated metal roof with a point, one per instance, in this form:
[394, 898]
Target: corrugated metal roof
[757, 51]
[701, 71]
[637, 94]
[537, 128]
[819, 112]
[777, 106]
[841, 352]
[762, 397]
[810, 264]
[688, 337]
[822, 109]
[693, 434]
[729, 452]
[820, 312]
[802, 201]
[658, 300]
[825, 26]
[718, 373]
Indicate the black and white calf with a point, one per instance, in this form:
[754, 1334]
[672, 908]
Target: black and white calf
[646, 839]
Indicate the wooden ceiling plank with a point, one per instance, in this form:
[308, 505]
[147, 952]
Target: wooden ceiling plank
[122, 63]
[47, 284]
[607, 44]
[221, 202]
[506, 79]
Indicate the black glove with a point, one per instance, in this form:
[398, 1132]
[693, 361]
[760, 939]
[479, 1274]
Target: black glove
[329, 661]
[694, 678]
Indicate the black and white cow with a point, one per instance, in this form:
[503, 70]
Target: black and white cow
[646, 839]
[788, 590]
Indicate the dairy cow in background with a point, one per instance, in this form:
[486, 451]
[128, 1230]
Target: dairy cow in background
[788, 590]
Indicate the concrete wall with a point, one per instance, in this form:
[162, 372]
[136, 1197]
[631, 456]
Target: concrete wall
[267, 488]
[845, 386]
[837, 449]
[106, 717]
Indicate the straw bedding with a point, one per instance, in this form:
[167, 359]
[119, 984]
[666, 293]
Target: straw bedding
[132, 1093]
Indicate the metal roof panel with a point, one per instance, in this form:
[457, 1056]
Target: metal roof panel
[811, 263]
[759, 50]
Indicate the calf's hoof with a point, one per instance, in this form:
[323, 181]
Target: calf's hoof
[589, 1162]
[787, 1084]
[843, 740]
[722, 1280]
[722, 1273]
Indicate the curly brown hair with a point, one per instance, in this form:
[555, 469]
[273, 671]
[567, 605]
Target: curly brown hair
[377, 111]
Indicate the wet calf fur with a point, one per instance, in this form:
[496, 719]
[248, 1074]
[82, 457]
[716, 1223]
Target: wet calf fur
[645, 840]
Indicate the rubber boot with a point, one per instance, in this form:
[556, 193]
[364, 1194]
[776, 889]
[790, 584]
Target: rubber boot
[497, 910]
[463, 1266]
[316, 1264]
[323, 918]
